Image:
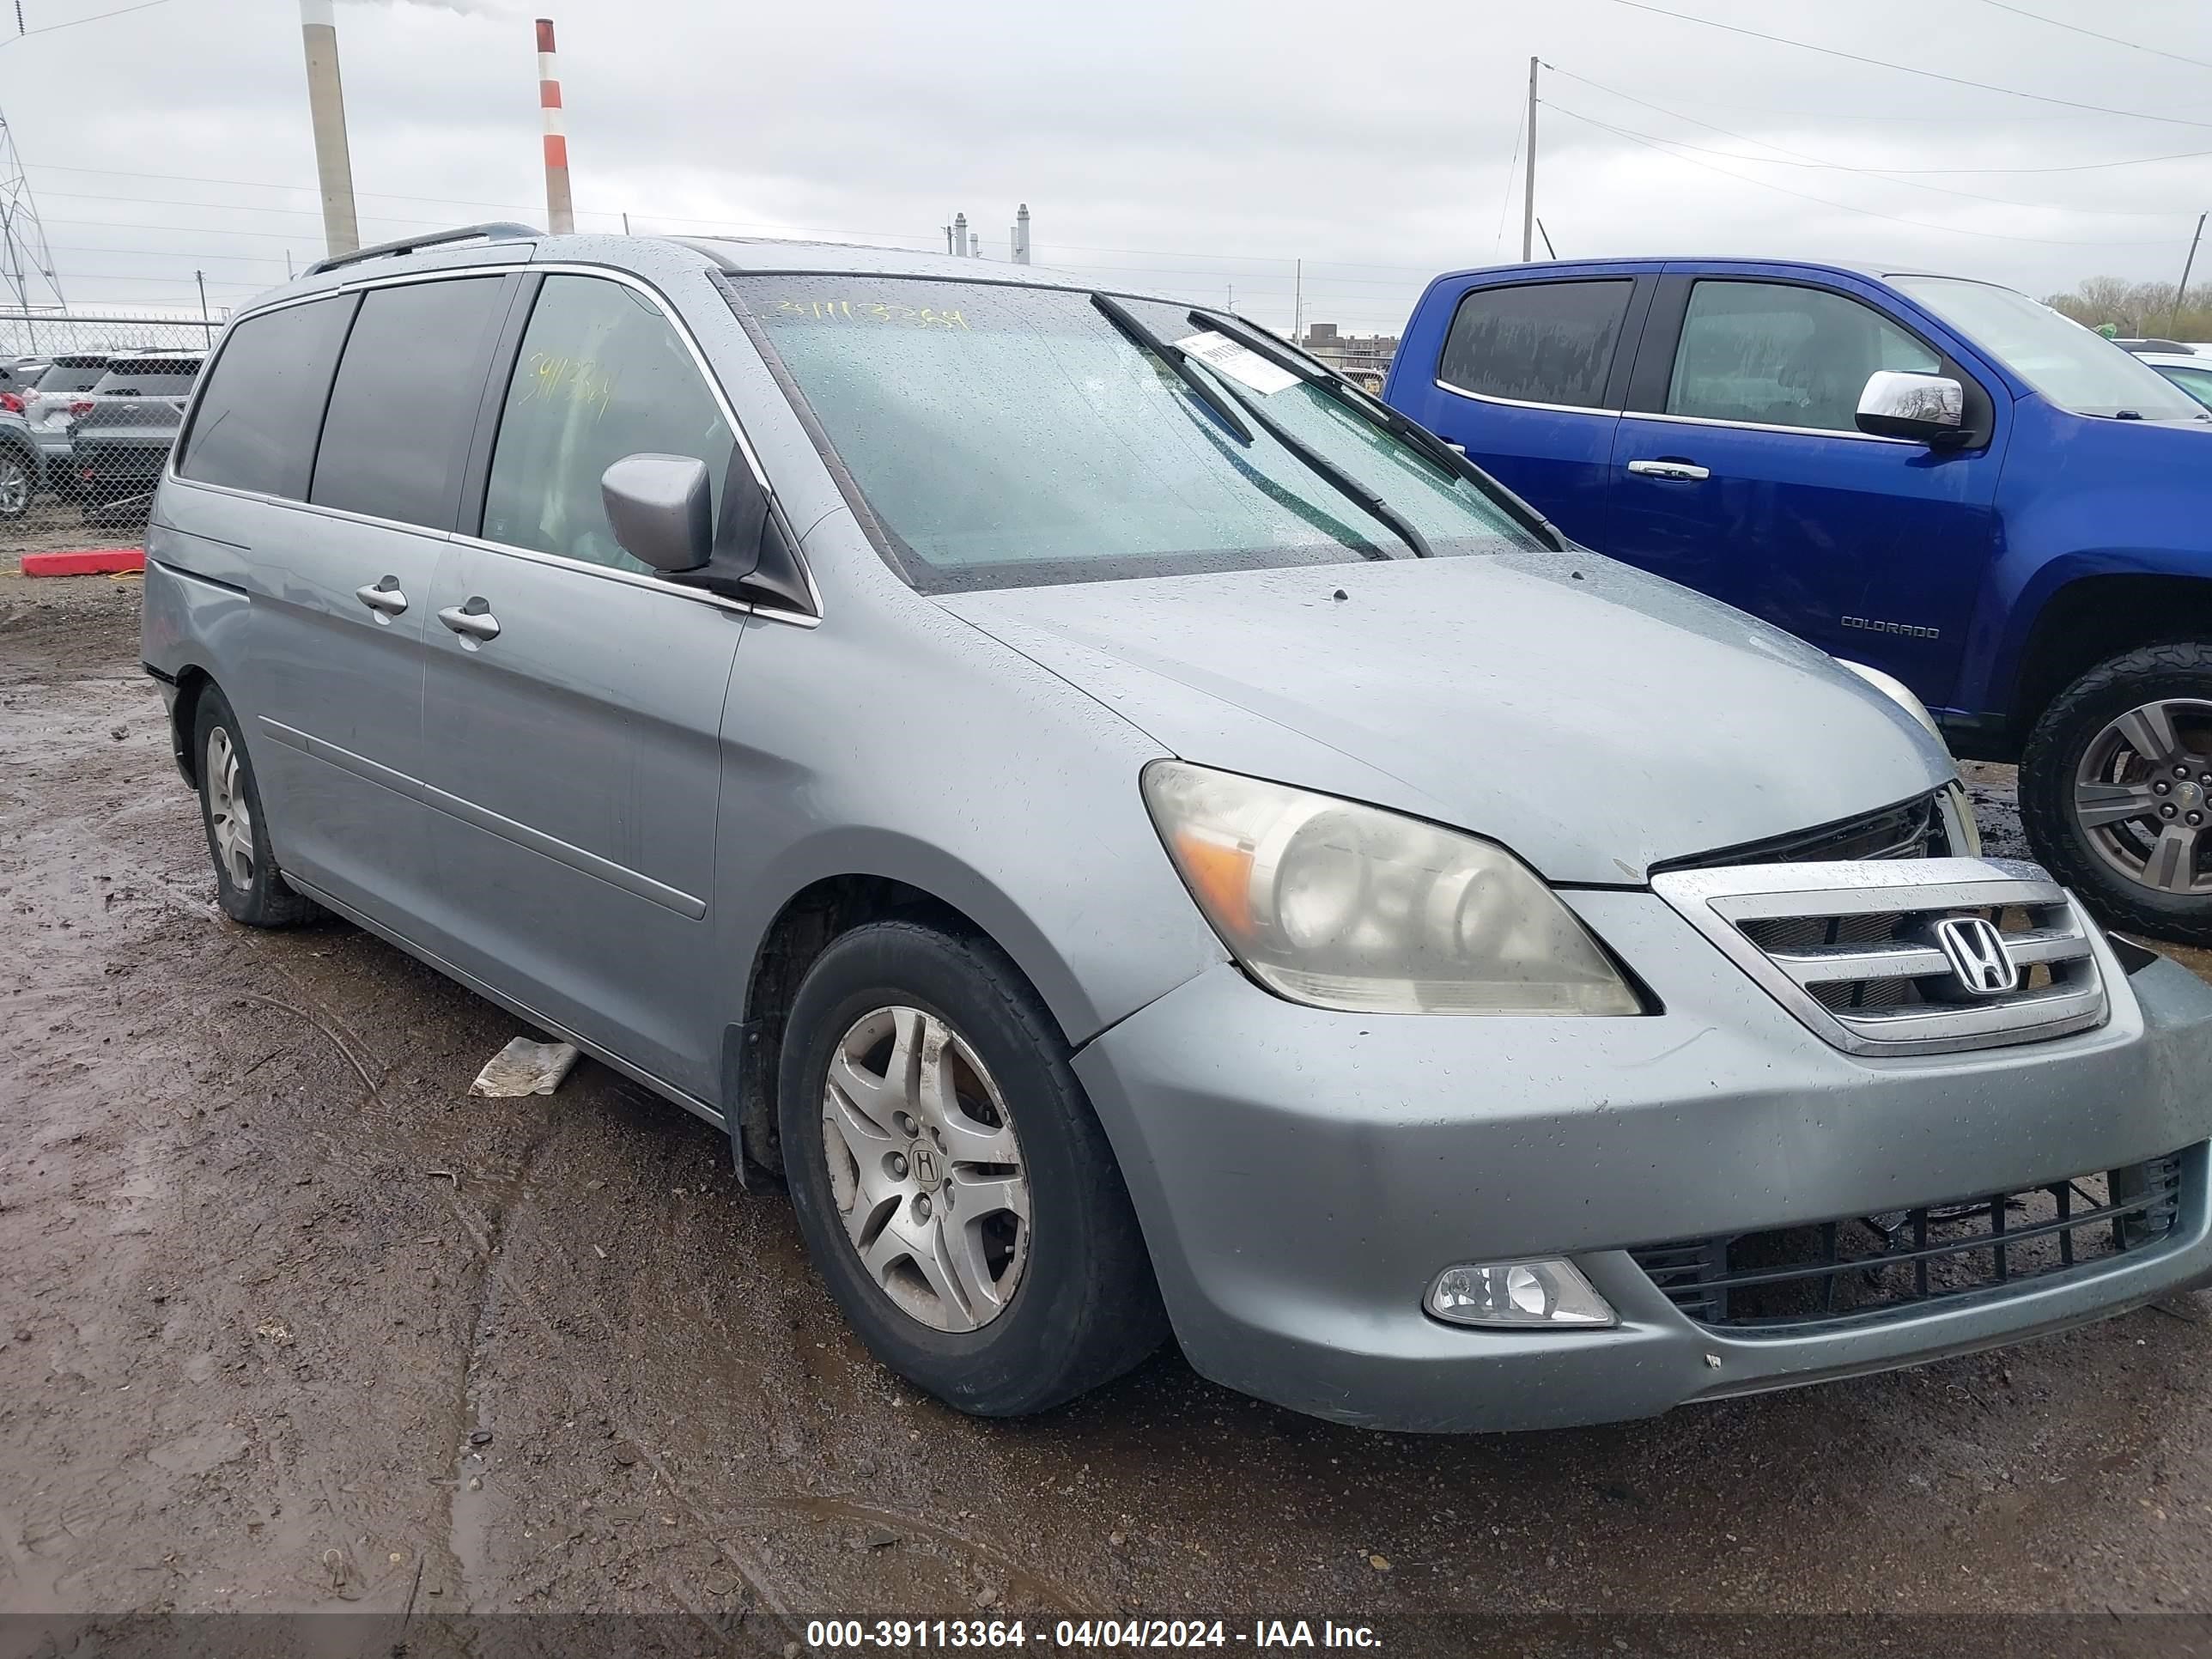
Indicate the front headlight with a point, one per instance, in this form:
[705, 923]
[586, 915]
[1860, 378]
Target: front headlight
[1344, 906]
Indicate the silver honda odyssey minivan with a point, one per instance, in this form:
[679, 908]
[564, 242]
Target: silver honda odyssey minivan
[1140, 838]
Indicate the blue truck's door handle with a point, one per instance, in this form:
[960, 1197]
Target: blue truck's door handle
[1674, 472]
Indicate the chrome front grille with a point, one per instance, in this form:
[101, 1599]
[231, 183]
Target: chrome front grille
[1850, 948]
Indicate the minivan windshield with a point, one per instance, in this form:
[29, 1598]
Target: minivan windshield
[1005, 435]
[2076, 369]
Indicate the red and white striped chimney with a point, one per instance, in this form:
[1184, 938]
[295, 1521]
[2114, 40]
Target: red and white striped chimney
[560, 210]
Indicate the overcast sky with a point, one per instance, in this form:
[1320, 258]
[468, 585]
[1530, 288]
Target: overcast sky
[1197, 143]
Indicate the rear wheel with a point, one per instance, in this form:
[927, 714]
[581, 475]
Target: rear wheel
[953, 1186]
[2116, 790]
[248, 884]
[17, 471]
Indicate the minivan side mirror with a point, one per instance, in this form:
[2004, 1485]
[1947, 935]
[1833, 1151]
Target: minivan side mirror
[1928, 409]
[662, 509]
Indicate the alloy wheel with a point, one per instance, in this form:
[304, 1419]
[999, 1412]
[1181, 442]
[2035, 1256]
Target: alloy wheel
[925, 1169]
[230, 821]
[2142, 795]
[15, 487]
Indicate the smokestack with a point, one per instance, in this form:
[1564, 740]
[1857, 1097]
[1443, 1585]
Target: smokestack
[326, 112]
[1022, 235]
[960, 234]
[560, 210]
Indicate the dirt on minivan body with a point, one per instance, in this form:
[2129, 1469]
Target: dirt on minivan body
[289, 1322]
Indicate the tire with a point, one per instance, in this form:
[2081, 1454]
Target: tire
[248, 884]
[19, 474]
[1062, 1300]
[2150, 870]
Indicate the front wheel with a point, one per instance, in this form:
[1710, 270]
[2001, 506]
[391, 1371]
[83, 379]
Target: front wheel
[953, 1187]
[2116, 790]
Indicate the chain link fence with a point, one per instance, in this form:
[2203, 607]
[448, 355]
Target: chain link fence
[90, 401]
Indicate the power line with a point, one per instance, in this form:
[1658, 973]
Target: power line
[98, 17]
[1895, 173]
[2110, 40]
[1804, 160]
[1665, 147]
[1908, 69]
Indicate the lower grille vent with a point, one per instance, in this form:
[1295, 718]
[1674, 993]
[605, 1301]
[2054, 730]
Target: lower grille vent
[1872, 1267]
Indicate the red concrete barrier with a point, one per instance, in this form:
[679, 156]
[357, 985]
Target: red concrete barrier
[84, 562]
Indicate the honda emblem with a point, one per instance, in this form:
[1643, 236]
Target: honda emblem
[1978, 956]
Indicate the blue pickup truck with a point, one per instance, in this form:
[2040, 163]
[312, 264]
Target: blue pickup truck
[1937, 478]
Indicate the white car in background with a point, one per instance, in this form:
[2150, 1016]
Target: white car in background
[2192, 373]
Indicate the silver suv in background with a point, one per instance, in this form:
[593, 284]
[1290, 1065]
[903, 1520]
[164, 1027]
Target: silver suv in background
[1139, 836]
[58, 397]
[121, 432]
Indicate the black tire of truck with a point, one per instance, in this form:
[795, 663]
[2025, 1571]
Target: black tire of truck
[2081, 718]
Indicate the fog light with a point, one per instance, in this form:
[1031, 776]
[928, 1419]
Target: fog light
[1548, 1292]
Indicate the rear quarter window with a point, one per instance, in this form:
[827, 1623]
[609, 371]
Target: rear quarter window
[1538, 343]
[255, 427]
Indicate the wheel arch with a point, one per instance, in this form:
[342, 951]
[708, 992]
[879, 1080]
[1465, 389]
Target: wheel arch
[808, 922]
[2098, 616]
[192, 682]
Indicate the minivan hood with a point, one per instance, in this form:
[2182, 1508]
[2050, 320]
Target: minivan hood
[1594, 719]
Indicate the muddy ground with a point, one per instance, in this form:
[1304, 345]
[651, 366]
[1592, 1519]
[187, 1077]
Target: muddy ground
[287, 1321]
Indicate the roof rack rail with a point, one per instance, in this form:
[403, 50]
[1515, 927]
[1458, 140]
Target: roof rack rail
[499, 230]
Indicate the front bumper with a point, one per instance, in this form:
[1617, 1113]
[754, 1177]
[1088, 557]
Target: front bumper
[1302, 1176]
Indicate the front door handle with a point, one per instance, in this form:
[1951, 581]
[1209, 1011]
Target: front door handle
[385, 598]
[472, 621]
[1674, 472]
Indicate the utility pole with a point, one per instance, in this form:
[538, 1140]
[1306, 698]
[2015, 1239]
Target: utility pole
[1298, 300]
[1529, 194]
[207, 329]
[2187, 265]
[326, 110]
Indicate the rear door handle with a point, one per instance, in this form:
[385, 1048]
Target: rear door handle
[1674, 471]
[385, 598]
[472, 621]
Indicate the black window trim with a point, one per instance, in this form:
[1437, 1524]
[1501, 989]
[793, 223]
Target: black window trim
[1624, 347]
[774, 613]
[1654, 371]
[190, 416]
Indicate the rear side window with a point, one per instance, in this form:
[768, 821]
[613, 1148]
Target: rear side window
[1538, 343]
[404, 403]
[149, 377]
[255, 427]
[1775, 354]
[73, 374]
[602, 373]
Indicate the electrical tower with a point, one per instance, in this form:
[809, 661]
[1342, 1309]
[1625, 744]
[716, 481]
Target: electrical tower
[27, 280]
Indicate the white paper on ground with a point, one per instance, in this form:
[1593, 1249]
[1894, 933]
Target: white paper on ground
[1239, 362]
[524, 1067]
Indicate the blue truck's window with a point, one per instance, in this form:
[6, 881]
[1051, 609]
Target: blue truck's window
[1777, 354]
[255, 428]
[405, 399]
[1537, 342]
[601, 374]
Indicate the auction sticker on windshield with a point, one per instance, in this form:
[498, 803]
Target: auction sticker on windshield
[1240, 363]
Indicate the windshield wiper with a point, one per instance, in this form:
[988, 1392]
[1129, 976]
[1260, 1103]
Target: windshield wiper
[1453, 462]
[1176, 358]
[1367, 500]
[1315, 375]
